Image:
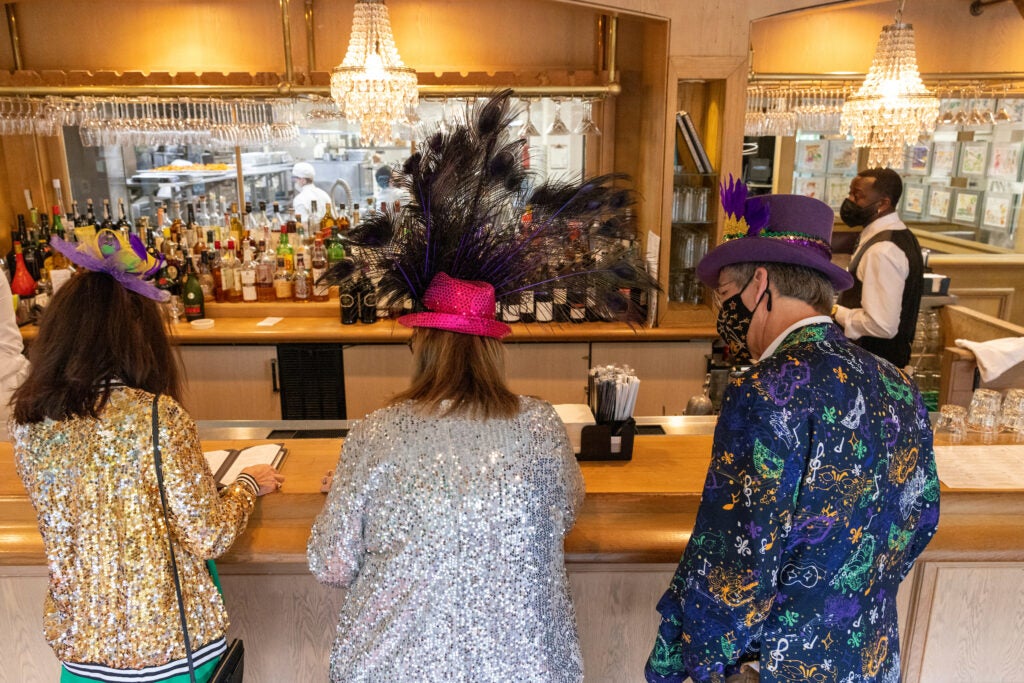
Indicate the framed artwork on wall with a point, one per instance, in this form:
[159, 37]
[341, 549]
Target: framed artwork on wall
[918, 159]
[940, 200]
[842, 157]
[914, 195]
[1004, 162]
[811, 156]
[837, 188]
[967, 207]
[973, 158]
[998, 212]
[813, 186]
[943, 159]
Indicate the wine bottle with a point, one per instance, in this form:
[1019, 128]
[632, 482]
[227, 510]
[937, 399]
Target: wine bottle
[90, 215]
[123, 224]
[319, 267]
[348, 300]
[192, 293]
[367, 302]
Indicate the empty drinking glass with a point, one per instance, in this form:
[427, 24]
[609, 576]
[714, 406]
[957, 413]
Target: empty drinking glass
[1012, 416]
[983, 414]
[952, 419]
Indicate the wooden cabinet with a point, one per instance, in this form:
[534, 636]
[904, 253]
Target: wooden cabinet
[230, 382]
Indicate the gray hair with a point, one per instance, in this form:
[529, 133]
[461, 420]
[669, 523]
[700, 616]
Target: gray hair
[798, 282]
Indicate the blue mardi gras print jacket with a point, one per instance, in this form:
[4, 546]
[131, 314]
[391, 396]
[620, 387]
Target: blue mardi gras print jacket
[821, 493]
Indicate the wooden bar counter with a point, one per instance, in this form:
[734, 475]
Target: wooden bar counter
[962, 610]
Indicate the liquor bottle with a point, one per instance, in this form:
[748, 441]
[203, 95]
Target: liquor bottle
[284, 247]
[282, 281]
[43, 246]
[275, 219]
[343, 222]
[231, 272]
[90, 215]
[319, 267]
[577, 298]
[348, 301]
[560, 301]
[28, 250]
[527, 306]
[265, 274]
[205, 275]
[234, 223]
[335, 249]
[75, 219]
[302, 282]
[202, 215]
[220, 295]
[355, 215]
[192, 293]
[22, 284]
[247, 276]
[367, 302]
[543, 305]
[327, 224]
[123, 225]
[510, 308]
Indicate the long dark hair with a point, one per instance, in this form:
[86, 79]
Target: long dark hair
[95, 332]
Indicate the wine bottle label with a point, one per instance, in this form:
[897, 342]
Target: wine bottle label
[545, 311]
[559, 295]
[249, 292]
[323, 288]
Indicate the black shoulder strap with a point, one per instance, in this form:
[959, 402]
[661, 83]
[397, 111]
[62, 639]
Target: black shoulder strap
[884, 236]
[170, 544]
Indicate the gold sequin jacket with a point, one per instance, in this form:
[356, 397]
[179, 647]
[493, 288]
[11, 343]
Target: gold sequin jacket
[93, 484]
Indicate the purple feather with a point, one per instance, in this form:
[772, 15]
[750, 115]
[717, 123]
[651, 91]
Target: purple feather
[757, 214]
[734, 196]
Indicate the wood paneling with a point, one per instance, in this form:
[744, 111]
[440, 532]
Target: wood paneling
[975, 271]
[555, 372]
[374, 373]
[670, 373]
[230, 382]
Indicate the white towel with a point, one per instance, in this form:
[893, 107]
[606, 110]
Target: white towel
[995, 357]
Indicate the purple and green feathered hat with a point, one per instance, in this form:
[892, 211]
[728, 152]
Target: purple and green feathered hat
[123, 258]
[776, 228]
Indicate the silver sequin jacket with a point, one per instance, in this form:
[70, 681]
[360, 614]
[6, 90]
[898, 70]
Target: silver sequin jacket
[447, 533]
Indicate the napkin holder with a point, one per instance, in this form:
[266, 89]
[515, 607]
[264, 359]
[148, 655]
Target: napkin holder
[608, 441]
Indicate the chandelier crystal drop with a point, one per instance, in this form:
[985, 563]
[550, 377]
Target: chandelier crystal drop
[372, 86]
[892, 108]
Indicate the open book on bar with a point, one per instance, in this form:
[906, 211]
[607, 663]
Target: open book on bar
[227, 465]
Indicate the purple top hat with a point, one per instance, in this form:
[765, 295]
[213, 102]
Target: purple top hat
[462, 306]
[778, 228]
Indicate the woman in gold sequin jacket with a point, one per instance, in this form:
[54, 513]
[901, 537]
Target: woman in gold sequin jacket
[83, 447]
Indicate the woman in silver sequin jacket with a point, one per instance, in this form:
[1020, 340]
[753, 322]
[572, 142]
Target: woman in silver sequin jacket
[445, 522]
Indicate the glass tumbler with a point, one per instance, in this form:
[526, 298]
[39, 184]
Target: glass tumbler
[983, 414]
[952, 419]
[1012, 416]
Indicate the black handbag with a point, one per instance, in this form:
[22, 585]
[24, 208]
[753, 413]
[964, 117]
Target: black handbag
[231, 668]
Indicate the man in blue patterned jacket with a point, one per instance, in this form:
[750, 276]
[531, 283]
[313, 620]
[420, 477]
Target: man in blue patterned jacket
[822, 488]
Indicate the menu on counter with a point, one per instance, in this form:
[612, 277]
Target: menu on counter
[981, 467]
[226, 465]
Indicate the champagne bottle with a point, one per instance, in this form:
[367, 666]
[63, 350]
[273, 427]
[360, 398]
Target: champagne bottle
[192, 292]
[348, 300]
[90, 215]
[123, 224]
[367, 302]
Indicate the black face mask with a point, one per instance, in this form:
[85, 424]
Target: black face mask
[857, 216]
[734, 324]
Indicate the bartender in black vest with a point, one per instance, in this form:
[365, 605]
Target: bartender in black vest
[879, 312]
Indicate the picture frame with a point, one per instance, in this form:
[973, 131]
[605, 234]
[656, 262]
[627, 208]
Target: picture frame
[842, 157]
[998, 211]
[914, 200]
[837, 188]
[973, 158]
[940, 202]
[811, 156]
[1004, 160]
[918, 159]
[811, 186]
[943, 159]
[967, 207]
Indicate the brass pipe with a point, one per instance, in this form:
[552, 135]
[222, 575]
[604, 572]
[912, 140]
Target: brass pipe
[600, 55]
[310, 37]
[12, 29]
[611, 46]
[289, 67]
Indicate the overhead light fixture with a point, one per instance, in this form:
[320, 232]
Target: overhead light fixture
[372, 86]
[892, 108]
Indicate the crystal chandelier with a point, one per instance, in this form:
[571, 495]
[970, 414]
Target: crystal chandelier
[892, 108]
[372, 86]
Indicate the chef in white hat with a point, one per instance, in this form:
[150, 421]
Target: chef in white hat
[307, 192]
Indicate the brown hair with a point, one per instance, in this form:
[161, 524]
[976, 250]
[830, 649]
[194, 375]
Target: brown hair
[465, 369]
[94, 332]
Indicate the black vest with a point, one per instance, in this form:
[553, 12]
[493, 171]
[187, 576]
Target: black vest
[897, 349]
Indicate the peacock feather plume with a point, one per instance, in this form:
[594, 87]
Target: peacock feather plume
[476, 213]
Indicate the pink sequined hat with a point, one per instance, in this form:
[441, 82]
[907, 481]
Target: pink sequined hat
[463, 306]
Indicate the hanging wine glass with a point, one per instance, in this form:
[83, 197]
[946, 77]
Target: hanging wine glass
[528, 130]
[558, 126]
[586, 126]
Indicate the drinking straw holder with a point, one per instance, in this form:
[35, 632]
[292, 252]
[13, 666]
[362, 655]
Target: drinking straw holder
[608, 441]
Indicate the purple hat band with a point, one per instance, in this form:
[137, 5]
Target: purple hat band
[798, 232]
[462, 306]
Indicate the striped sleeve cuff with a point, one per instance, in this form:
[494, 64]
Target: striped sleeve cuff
[249, 482]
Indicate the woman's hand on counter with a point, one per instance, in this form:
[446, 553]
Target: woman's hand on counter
[267, 478]
[325, 483]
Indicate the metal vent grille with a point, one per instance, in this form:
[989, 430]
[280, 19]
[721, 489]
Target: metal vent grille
[312, 380]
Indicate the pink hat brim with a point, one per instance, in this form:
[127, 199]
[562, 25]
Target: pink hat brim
[481, 327]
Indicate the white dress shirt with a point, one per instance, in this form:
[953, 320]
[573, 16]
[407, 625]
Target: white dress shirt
[883, 271]
[13, 365]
